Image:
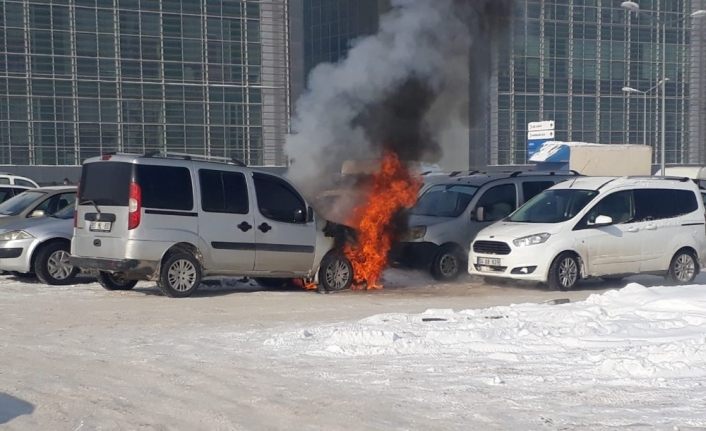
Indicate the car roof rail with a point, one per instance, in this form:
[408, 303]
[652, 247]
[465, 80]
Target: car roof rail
[187, 156]
[578, 174]
[455, 173]
[517, 174]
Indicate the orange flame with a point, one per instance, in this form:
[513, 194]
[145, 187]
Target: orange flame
[303, 284]
[393, 188]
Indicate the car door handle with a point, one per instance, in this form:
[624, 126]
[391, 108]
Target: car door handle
[633, 229]
[245, 226]
[264, 227]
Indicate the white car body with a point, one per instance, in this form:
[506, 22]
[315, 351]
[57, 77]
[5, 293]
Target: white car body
[616, 249]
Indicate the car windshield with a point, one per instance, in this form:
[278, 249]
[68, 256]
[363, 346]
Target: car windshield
[19, 203]
[66, 213]
[445, 200]
[553, 206]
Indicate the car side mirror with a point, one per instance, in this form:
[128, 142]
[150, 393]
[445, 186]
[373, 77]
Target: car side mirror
[299, 216]
[37, 214]
[479, 214]
[602, 220]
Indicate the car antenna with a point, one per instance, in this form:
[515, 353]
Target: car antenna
[582, 169]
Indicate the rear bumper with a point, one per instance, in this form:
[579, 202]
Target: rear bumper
[130, 268]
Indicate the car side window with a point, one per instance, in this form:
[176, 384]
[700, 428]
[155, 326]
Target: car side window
[498, 202]
[4, 181]
[658, 204]
[531, 189]
[47, 205]
[25, 183]
[65, 200]
[165, 187]
[277, 200]
[618, 206]
[223, 192]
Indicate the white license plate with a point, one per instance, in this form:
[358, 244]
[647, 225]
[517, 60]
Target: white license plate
[100, 226]
[489, 261]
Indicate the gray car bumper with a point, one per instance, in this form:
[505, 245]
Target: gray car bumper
[130, 268]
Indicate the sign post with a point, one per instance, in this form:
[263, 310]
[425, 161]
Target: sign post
[538, 133]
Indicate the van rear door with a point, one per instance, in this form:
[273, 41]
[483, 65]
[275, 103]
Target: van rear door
[102, 211]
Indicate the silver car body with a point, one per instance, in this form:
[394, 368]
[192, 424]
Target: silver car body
[17, 255]
[428, 233]
[28, 204]
[243, 242]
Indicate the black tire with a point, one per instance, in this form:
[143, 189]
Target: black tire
[335, 272]
[448, 263]
[565, 272]
[274, 283]
[683, 268]
[115, 281]
[185, 277]
[52, 266]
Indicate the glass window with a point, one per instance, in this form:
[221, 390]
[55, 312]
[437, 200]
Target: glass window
[618, 206]
[448, 200]
[25, 183]
[56, 203]
[20, 202]
[498, 202]
[531, 189]
[277, 200]
[106, 183]
[165, 187]
[553, 206]
[656, 204]
[223, 192]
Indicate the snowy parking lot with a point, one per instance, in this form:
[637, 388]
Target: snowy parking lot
[415, 356]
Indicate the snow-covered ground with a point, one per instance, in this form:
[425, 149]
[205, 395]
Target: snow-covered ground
[234, 357]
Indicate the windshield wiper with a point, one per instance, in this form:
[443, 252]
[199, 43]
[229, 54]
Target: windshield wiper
[92, 202]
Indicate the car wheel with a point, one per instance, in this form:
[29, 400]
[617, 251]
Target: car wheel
[115, 281]
[180, 275]
[448, 263]
[565, 272]
[52, 265]
[336, 272]
[683, 268]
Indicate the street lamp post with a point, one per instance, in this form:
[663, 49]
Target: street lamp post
[632, 6]
[645, 93]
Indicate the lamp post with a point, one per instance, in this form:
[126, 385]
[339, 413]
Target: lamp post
[630, 90]
[632, 6]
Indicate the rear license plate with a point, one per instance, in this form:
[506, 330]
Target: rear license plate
[100, 226]
[489, 261]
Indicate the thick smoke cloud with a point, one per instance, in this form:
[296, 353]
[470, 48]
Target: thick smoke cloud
[398, 90]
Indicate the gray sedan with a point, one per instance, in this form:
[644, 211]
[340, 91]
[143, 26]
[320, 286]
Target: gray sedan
[36, 203]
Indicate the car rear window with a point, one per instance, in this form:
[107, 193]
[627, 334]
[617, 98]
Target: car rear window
[658, 204]
[106, 183]
[165, 187]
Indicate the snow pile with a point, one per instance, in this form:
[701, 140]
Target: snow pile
[634, 333]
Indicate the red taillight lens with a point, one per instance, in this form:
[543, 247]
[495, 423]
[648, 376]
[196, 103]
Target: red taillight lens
[134, 206]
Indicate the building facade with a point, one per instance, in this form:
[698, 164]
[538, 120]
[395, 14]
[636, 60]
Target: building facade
[79, 78]
[568, 61]
[697, 89]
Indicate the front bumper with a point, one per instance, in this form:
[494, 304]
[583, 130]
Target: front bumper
[16, 255]
[522, 263]
[414, 254]
[130, 268]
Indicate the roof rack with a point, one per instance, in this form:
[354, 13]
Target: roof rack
[647, 177]
[186, 156]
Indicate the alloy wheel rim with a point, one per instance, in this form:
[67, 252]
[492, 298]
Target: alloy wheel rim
[182, 275]
[338, 274]
[58, 265]
[568, 272]
[685, 268]
[448, 265]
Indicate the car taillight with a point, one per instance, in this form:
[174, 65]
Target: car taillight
[134, 206]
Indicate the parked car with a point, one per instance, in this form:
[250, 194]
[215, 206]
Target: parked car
[7, 192]
[40, 246]
[453, 208]
[175, 219]
[16, 180]
[36, 203]
[598, 227]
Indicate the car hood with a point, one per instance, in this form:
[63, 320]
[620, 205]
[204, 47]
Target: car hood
[421, 220]
[508, 230]
[42, 225]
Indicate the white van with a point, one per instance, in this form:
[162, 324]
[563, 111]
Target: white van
[598, 227]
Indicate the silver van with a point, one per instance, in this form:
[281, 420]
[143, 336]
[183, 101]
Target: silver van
[453, 208]
[177, 218]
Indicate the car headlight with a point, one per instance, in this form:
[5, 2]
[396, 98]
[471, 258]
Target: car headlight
[539, 238]
[416, 232]
[15, 234]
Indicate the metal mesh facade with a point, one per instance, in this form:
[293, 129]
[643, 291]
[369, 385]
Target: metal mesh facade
[82, 77]
[568, 61]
